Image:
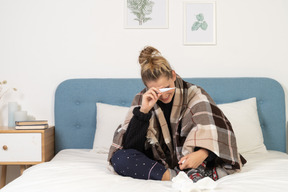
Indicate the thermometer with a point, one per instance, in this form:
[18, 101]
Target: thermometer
[166, 89]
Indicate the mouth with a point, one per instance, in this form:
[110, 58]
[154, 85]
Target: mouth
[166, 98]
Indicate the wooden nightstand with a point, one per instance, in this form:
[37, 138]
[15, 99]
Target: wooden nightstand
[24, 148]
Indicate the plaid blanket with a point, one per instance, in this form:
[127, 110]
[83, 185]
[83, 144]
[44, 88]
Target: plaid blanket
[196, 121]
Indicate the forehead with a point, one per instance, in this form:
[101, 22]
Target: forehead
[160, 82]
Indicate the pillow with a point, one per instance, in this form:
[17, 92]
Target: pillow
[108, 117]
[244, 118]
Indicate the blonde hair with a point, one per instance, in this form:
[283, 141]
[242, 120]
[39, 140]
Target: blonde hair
[153, 65]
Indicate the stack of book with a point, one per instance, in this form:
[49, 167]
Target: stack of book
[34, 124]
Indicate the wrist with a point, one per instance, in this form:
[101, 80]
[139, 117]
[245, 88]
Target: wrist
[143, 110]
[204, 152]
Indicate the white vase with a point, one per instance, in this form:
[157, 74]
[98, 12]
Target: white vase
[12, 108]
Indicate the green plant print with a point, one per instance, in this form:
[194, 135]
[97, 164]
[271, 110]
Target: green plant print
[141, 8]
[200, 23]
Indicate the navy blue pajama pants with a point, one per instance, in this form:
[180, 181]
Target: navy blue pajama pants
[132, 163]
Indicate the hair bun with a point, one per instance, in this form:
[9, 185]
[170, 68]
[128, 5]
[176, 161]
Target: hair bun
[153, 65]
[147, 53]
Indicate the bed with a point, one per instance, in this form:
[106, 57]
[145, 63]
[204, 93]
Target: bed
[83, 133]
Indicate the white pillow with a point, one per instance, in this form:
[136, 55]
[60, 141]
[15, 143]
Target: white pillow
[244, 118]
[108, 117]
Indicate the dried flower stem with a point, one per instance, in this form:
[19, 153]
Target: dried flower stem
[4, 91]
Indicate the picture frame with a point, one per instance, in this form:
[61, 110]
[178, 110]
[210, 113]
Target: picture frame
[154, 14]
[199, 23]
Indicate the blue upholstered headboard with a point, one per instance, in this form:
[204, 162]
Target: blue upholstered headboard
[75, 109]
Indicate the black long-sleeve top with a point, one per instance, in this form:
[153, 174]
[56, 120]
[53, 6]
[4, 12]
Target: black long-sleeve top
[135, 135]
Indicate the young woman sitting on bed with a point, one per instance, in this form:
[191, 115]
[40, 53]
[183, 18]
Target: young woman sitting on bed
[167, 131]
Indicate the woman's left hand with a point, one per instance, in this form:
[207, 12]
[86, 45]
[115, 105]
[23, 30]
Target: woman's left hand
[193, 160]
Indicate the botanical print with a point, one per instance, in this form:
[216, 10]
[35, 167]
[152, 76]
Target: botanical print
[146, 14]
[200, 23]
[141, 8]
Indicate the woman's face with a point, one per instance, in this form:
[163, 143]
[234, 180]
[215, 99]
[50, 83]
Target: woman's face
[164, 82]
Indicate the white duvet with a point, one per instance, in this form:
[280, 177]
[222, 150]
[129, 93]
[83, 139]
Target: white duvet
[86, 171]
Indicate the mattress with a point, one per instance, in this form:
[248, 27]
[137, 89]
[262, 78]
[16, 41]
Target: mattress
[86, 170]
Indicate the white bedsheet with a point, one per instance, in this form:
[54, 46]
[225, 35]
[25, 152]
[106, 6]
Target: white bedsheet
[86, 171]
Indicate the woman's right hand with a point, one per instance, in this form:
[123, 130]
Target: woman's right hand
[149, 99]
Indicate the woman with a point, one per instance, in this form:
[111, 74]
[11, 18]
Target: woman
[172, 130]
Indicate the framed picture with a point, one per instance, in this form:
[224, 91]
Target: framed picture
[146, 14]
[199, 23]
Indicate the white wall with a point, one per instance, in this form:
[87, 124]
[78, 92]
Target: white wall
[43, 42]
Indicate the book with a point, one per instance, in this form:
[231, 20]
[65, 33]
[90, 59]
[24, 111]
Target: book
[33, 122]
[43, 126]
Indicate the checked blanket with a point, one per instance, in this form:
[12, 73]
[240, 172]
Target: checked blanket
[195, 120]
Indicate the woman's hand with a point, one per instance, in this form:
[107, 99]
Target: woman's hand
[149, 99]
[193, 160]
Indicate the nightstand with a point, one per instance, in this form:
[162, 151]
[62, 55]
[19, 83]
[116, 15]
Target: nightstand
[24, 148]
